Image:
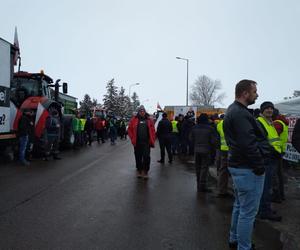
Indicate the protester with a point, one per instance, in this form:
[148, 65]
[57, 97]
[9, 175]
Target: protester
[88, 128]
[175, 136]
[247, 147]
[24, 130]
[142, 134]
[222, 154]
[100, 123]
[53, 135]
[271, 161]
[281, 125]
[164, 135]
[204, 140]
[296, 136]
[112, 124]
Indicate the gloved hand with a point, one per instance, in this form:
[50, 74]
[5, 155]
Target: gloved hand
[259, 171]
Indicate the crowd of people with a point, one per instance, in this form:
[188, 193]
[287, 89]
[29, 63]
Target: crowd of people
[245, 145]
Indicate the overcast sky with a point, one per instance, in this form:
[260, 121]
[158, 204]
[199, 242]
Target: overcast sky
[86, 43]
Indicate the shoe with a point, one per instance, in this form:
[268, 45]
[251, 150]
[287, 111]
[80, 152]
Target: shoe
[139, 174]
[234, 245]
[56, 158]
[204, 190]
[161, 161]
[271, 217]
[25, 163]
[170, 161]
[45, 159]
[145, 175]
[277, 200]
[225, 195]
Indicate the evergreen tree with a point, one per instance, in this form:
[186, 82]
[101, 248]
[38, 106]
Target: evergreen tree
[135, 101]
[110, 100]
[85, 105]
[123, 104]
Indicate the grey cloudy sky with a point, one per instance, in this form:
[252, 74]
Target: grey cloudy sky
[86, 43]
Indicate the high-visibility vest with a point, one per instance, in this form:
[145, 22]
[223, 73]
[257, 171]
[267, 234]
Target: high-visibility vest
[284, 135]
[273, 137]
[82, 123]
[224, 146]
[75, 124]
[174, 126]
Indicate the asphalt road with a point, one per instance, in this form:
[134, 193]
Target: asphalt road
[91, 199]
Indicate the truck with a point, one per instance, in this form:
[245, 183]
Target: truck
[30, 91]
[7, 133]
[174, 111]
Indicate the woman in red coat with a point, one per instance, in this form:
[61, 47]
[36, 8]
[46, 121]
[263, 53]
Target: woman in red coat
[142, 134]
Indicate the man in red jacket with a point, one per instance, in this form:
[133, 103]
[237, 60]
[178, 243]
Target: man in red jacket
[142, 135]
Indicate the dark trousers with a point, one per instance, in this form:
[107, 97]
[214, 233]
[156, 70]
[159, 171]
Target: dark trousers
[265, 208]
[223, 173]
[89, 137]
[175, 143]
[201, 165]
[142, 157]
[278, 181]
[100, 135]
[165, 143]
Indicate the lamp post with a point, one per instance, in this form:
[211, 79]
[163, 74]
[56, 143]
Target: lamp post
[130, 88]
[187, 78]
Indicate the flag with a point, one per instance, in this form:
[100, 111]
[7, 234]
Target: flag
[15, 116]
[16, 44]
[40, 120]
[158, 107]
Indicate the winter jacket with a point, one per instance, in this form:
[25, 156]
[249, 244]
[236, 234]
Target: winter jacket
[204, 138]
[133, 126]
[247, 143]
[164, 128]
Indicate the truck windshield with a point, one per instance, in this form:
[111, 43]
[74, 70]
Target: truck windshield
[22, 88]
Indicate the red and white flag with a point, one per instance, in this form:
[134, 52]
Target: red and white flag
[40, 119]
[15, 116]
[158, 107]
[17, 47]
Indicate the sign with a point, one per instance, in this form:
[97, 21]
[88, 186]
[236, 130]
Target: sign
[291, 154]
[5, 67]
[183, 110]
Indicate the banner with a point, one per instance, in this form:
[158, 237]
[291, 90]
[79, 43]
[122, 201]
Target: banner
[291, 154]
[4, 86]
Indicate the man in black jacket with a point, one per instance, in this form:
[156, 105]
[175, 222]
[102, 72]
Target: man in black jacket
[164, 135]
[204, 138]
[247, 147]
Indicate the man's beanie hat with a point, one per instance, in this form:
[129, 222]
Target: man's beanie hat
[266, 105]
[141, 108]
[164, 115]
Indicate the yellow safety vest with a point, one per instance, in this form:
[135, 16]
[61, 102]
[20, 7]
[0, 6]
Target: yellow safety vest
[82, 123]
[220, 130]
[273, 137]
[284, 135]
[174, 126]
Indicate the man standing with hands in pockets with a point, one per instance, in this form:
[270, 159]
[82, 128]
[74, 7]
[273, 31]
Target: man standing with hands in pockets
[247, 147]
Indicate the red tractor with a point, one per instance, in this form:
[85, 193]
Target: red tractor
[32, 91]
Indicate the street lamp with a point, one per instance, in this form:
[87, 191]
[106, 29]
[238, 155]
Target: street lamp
[187, 78]
[131, 86]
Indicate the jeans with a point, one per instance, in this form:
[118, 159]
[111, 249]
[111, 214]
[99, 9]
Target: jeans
[23, 140]
[248, 189]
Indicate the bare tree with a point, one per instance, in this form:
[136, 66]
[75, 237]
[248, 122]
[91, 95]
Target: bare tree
[204, 91]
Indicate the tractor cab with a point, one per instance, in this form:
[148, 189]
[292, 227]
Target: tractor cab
[26, 85]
